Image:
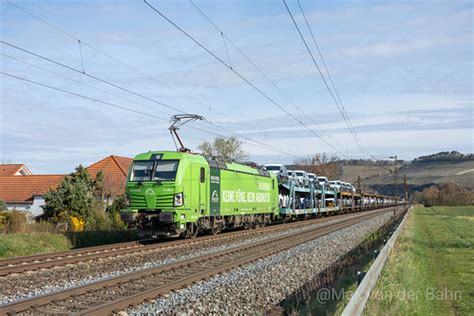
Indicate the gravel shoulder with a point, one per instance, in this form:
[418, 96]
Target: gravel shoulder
[257, 287]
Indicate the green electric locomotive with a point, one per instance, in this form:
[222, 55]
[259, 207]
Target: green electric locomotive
[179, 193]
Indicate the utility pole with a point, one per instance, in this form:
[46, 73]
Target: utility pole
[405, 186]
[358, 183]
[395, 180]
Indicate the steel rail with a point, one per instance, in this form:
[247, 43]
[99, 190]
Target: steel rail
[50, 260]
[118, 293]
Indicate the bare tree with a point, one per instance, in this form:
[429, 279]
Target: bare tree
[445, 194]
[226, 149]
[320, 164]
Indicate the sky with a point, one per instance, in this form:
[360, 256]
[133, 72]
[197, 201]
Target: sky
[403, 71]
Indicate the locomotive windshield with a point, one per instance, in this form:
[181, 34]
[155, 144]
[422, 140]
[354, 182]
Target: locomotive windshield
[165, 170]
[154, 170]
[141, 170]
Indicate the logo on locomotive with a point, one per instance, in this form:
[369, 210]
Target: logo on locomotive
[215, 197]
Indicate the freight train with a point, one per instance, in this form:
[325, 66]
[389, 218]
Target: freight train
[182, 194]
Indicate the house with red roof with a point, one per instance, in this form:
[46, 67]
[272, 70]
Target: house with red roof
[14, 170]
[115, 169]
[24, 191]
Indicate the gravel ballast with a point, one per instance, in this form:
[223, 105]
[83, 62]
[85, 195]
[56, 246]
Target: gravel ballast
[35, 283]
[259, 286]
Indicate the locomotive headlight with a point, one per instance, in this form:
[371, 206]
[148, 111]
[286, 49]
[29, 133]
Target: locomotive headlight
[183, 216]
[178, 199]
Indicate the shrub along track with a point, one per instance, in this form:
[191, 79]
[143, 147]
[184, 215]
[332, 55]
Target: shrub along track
[118, 293]
[55, 259]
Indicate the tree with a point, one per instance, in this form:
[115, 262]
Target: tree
[225, 149]
[77, 195]
[3, 206]
[320, 164]
[430, 195]
[445, 194]
[119, 203]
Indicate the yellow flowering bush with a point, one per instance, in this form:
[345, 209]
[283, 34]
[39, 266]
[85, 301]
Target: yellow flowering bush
[77, 224]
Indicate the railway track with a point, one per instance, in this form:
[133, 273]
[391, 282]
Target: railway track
[50, 260]
[118, 293]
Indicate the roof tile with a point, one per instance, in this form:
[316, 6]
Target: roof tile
[115, 169]
[14, 189]
[10, 169]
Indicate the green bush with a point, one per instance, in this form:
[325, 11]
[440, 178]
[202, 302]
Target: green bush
[3, 205]
[119, 203]
[13, 222]
[98, 237]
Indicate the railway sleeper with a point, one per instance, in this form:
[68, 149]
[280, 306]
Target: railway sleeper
[44, 311]
[94, 301]
[73, 305]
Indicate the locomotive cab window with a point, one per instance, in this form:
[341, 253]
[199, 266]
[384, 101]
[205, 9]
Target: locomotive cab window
[203, 175]
[165, 170]
[141, 171]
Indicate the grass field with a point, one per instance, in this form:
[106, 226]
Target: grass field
[24, 244]
[431, 269]
[461, 172]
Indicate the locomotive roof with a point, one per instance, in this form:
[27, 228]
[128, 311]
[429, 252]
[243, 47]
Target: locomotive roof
[201, 159]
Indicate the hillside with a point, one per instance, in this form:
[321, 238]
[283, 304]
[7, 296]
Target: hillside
[350, 173]
[422, 172]
[378, 175]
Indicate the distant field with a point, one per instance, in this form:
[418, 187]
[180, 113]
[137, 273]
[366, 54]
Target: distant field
[431, 269]
[351, 172]
[461, 172]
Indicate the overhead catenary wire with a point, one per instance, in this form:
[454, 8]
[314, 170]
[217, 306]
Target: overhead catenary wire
[259, 70]
[82, 83]
[321, 74]
[80, 42]
[44, 85]
[109, 83]
[330, 78]
[136, 94]
[117, 60]
[247, 81]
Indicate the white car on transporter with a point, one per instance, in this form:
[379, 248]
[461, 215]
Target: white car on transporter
[302, 177]
[279, 170]
[335, 185]
[313, 178]
[323, 181]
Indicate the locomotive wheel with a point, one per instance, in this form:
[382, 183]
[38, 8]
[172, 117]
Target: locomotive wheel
[192, 231]
[215, 230]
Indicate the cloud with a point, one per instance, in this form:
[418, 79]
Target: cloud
[401, 69]
[386, 49]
